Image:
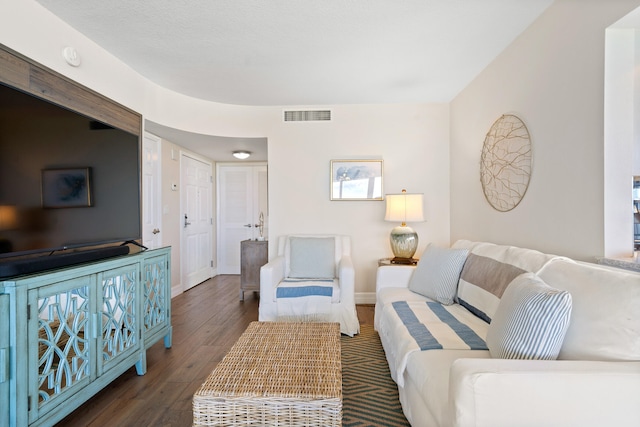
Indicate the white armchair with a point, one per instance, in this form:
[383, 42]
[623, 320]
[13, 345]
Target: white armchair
[311, 278]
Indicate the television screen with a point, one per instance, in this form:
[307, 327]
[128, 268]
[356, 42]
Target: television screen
[66, 180]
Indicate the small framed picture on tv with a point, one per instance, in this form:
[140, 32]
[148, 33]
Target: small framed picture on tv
[66, 188]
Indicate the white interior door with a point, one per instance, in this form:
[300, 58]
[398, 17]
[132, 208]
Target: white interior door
[196, 221]
[151, 194]
[242, 197]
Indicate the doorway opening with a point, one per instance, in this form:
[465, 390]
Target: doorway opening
[242, 211]
[622, 135]
[210, 149]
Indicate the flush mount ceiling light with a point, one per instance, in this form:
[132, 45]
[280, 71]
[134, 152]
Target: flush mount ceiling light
[241, 154]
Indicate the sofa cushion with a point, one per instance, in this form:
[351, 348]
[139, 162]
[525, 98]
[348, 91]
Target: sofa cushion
[605, 324]
[487, 272]
[298, 289]
[438, 272]
[406, 327]
[530, 322]
[427, 376]
[312, 257]
[389, 295]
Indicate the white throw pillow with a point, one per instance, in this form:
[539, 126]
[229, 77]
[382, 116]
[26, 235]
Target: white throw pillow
[531, 320]
[312, 257]
[437, 273]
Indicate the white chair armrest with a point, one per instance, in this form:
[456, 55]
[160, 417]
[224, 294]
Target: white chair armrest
[346, 277]
[271, 274]
[393, 276]
[499, 392]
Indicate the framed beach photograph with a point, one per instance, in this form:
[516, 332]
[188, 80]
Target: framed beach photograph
[356, 180]
[66, 188]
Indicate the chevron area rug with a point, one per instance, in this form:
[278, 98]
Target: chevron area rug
[369, 395]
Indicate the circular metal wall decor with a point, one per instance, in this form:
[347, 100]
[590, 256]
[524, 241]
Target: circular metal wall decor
[505, 163]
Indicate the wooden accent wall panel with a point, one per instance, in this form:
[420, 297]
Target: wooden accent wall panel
[14, 71]
[31, 77]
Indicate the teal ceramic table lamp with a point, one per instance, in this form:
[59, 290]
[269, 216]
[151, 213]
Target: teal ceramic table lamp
[403, 208]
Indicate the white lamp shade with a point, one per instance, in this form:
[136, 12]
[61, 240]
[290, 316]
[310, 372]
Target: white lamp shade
[404, 207]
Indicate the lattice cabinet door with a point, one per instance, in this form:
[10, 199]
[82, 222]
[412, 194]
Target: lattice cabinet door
[4, 358]
[60, 328]
[156, 309]
[67, 333]
[118, 314]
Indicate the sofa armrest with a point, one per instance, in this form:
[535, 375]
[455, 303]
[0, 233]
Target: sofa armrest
[499, 392]
[347, 279]
[393, 276]
[271, 274]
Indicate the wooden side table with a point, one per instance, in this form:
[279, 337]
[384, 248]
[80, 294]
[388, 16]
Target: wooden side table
[253, 255]
[388, 261]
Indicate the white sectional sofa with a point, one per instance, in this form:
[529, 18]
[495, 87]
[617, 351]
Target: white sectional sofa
[453, 368]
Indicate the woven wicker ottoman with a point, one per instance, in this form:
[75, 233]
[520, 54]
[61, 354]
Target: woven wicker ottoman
[277, 374]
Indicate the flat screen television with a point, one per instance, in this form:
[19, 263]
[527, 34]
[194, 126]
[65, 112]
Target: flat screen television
[67, 182]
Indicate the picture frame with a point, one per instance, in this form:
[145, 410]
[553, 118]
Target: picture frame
[357, 180]
[66, 188]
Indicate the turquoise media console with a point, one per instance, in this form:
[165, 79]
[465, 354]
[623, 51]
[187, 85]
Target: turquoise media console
[67, 333]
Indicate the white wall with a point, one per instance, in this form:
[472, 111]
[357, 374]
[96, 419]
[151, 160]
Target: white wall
[619, 128]
[170, 208]
[552, 77]
[411, 139]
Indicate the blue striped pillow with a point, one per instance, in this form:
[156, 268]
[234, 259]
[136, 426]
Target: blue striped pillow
[530, 321]
[438, 272]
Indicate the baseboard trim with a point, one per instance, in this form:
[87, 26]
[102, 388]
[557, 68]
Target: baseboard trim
[360, 297]
[176, 290]
[365, 297]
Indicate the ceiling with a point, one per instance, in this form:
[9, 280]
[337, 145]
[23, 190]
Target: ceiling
[218, 148]
[304, 52]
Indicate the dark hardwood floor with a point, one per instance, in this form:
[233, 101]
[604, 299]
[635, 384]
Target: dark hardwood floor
[207, 320]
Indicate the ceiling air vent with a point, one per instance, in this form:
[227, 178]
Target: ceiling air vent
[307, 116]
